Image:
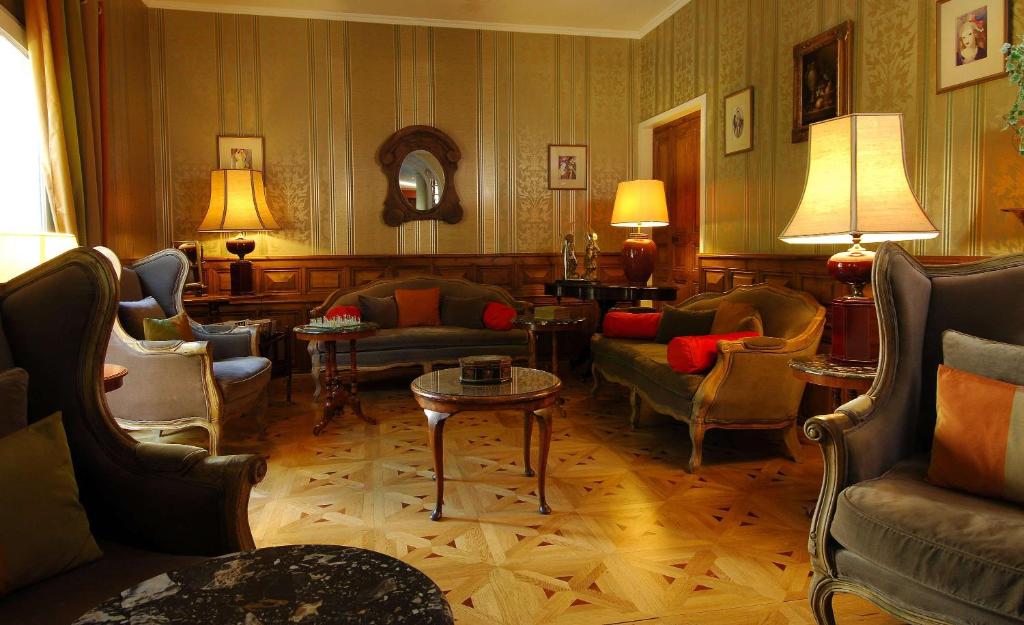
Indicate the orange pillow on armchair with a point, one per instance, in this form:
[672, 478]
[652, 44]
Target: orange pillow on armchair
[418, 307]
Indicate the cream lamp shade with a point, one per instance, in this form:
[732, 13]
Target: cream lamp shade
[238, 202]
[21, 251]
[857, 189]
[640, 204]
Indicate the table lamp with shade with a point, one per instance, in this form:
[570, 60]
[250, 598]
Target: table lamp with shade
[238, 203]
[857, 191]
[639, 204]
[21, 251]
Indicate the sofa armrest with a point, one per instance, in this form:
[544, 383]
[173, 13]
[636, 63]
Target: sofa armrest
[229, 342]
[183, 501]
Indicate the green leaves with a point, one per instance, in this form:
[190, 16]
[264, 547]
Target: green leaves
[1015, 70]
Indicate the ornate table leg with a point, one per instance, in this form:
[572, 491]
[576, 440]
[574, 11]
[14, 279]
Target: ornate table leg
[435, 425]
[353, 394]
[544, 421]
[527, 438]
[330, 386]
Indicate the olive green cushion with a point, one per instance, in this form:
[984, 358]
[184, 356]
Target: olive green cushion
[677, 322]
[43, 528]
[463, 312]
[174, 328]
[380, 310]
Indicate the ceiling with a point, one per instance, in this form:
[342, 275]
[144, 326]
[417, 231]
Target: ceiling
[602, 18]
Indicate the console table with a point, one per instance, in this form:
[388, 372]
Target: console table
[608, 295]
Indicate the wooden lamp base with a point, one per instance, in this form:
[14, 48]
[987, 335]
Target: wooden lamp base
[241, 269]
[854, 331]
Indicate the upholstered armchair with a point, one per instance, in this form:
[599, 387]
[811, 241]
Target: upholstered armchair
[151, 507]
[880, 530]
[172, 385]
[751, 385]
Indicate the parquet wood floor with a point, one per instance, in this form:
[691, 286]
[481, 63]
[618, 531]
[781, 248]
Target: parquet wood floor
[632, 538]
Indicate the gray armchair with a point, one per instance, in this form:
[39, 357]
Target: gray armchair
[151, 507]
[925, 554]
[173, 385]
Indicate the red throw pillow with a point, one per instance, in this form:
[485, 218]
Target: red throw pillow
[498, 316]
[627, 325]
[697, 354]
[344, 311]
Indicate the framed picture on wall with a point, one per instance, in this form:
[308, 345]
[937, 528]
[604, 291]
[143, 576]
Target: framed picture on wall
[968, 38]
[567, 167]
[739, 121]
[235, 152]
[822, 72]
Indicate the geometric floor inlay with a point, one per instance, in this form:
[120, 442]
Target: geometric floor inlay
[632, 537]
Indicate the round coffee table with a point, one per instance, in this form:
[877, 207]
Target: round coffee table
[314, 584]
[554, 327]
[337, 397]
[441, 395]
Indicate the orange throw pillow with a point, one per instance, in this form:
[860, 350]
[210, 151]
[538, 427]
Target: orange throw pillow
[979, 427]
[418, 307]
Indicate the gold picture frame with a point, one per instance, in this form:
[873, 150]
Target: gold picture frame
[239, 152]
[969, 35]
[822, 78]
[738, 121]
[567, 167]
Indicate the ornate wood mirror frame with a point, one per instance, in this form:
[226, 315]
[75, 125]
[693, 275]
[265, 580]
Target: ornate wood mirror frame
[397, 208]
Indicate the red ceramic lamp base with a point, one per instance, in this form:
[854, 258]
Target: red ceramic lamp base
[241, 269]
[638, 255]
[854, 322]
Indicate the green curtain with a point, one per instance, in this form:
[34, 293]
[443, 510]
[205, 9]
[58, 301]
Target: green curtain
[64, 44]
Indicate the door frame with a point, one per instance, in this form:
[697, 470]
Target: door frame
[645, 148]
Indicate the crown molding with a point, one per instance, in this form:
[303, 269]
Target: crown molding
[657, 20]
[341, 16]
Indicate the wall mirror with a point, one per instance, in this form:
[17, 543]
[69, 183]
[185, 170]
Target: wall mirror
[419, 163]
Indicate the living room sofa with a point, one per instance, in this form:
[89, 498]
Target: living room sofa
[423, 346]
[750, 386]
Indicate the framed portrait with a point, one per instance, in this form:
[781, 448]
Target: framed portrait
[968, 38]
[567, 167]
[822, 73]
[234, 152]
[739, 121]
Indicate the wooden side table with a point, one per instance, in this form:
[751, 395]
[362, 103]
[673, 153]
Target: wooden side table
[113, 377]
[554, 327]
[337, 396]
[846, 381]
[441, 395]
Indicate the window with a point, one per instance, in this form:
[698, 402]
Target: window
[22, 204]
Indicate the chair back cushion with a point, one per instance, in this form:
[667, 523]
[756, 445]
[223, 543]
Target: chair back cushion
[131, 286]
[681, 322]
[13, 400]
[162, 277]
[463, 312]
[133, 316]
[380, 310]
[979, 435]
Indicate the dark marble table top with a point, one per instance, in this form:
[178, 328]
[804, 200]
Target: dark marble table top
[821, 365]
[304, 584]
[534, 323]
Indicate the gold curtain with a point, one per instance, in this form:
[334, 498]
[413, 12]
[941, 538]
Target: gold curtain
[64, 48]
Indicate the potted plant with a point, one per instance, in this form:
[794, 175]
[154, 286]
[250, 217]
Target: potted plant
[1015, 70]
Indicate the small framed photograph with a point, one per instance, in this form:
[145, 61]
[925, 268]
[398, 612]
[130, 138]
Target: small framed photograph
[235, 152]
[822, 73]
[567, 167]
[739, 121]
[968, 38]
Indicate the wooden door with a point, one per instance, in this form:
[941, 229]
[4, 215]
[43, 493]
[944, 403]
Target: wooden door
[677, 164]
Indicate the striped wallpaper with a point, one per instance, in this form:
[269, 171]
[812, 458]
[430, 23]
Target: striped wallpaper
[963, 168]
[326, 94]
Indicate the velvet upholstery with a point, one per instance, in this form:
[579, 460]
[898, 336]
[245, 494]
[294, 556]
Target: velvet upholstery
[423, 346]
[163, 499]
[175, 384]
[13, 400]
[867, 440]
[750, 385]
